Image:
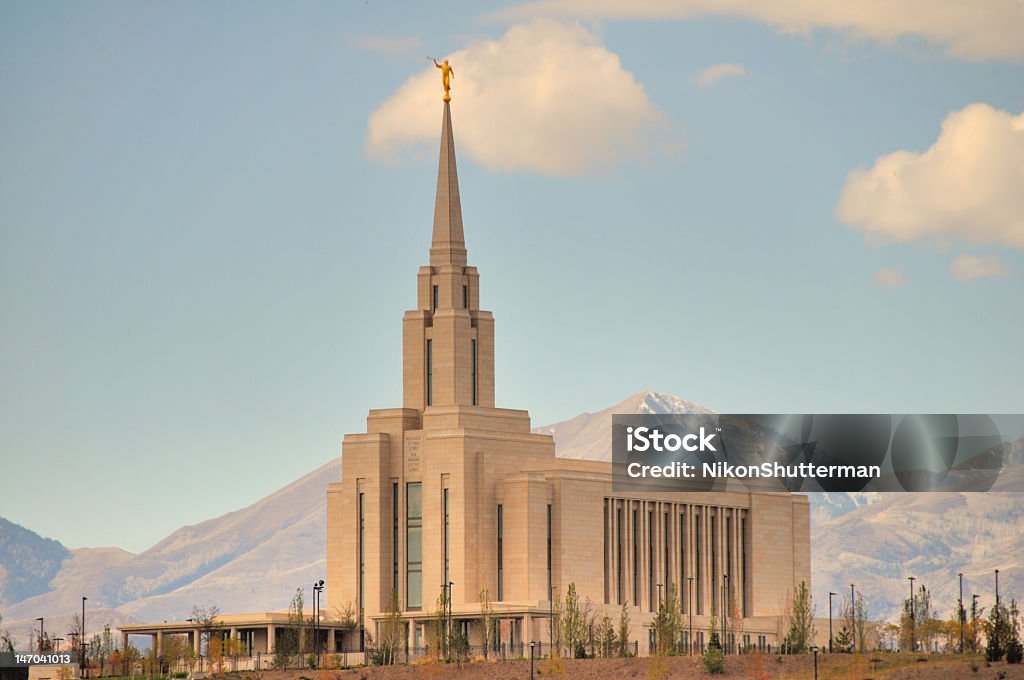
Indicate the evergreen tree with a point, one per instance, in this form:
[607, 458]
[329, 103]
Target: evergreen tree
[1002, 633]
[844, 640]
[714, 658]
[1014, 649]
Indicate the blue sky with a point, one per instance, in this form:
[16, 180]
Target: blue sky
[204, 259]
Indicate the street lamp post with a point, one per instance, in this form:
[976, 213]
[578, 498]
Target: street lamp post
[997, 587]
[725, 610]
[961, 612]
[974, 620]
[853, 616]
[830, 596]
[444, 616]
[913, 646]
[815, 650]
[318, 589]
[84, 670]
[451, 615]
[690, 579]
[532, 643]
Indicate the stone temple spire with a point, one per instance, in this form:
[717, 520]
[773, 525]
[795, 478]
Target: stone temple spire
[448, 246]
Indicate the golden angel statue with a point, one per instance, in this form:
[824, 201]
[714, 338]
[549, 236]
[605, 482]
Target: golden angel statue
[447, 73]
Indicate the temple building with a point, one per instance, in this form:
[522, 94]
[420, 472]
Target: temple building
[451, 495]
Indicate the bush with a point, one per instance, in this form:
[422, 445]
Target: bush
[714, 660]
[1014, 652]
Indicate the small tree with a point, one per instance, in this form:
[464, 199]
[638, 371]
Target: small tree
[606, 640]
[6, 643]
[664, 634]
[623, 634]
[486, 619]
[998, 632]
[205, 618]
[861, 623]
[174, 647]
[459, 646]
[555, 626]
[844, 639]
[391, 631]
[573, 623]
[130, 656]
[714, 658]
[800, 612]
[441, 624]
[106, 647]
[287, 643]
[1014, 649]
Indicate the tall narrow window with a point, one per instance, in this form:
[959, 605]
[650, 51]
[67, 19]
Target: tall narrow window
[698, 537]
[729, 585]
[651, 536]
[715, 570]
[684, 584]
[551, 581]
[501, 555]
[666, 529]
[414, 545]
[430, 372]
[394, 536]
[444, 510]
[362, 551]
[636, 557]
[465, 297]
[744, 567]
[473, 344]
[619, 574]
[434, 299]
[607, 562]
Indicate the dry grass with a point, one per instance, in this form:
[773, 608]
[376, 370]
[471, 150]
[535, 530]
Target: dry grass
[753, 667]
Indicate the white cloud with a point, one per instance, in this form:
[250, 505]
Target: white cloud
[545, 97]
[889, 277]
[970, 267]
[968, 185]
[982, 29]
[389, 46]
[715, 73]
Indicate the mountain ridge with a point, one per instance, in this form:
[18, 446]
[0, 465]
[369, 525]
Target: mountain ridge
[253, 558]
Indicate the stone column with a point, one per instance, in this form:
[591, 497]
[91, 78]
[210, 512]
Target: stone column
[158, 642]
[332, 641]
[124, 641]
[270, 640]
[196, 641]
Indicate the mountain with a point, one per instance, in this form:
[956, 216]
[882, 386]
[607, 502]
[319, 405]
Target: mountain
[587, 435]
[27, 562]
[252, 559]
[930, 536]
[245, 561]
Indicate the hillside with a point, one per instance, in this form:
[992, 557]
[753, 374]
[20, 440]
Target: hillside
[253, 559]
